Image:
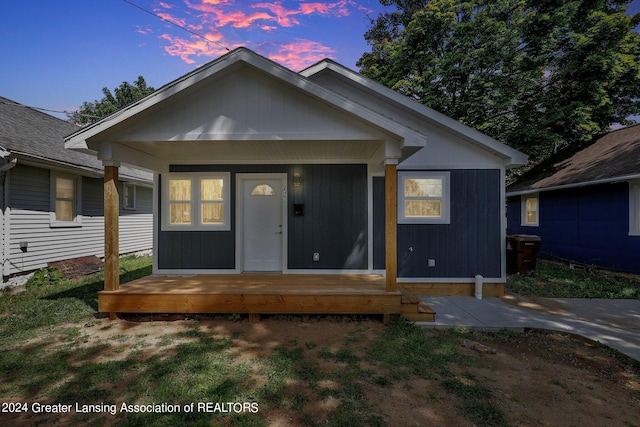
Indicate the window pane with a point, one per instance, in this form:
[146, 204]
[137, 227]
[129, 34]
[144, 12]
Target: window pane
[263, 190]
[423, 208]
[531, 208]
[212, 213]
[180, 213]
[211, 189]
[423, 187]
[64, 210]
[64, 188]
[179, 189]
[129, 196]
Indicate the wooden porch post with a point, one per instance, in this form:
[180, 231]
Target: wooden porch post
[391, 213]
[111, 231]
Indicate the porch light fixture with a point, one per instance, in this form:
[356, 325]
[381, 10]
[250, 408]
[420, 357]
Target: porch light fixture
[297, 179]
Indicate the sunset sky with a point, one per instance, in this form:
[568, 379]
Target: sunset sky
[58, 53]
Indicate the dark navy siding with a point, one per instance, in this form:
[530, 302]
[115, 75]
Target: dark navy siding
[334, 223]
[587, 225]
[379, 262]
[471, 244]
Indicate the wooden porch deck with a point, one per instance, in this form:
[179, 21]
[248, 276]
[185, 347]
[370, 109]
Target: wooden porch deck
[256, 294]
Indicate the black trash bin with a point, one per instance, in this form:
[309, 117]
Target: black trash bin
[522, 250]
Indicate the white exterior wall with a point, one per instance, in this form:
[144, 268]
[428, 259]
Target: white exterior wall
[28, 220]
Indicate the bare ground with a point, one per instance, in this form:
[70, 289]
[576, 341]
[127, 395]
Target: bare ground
[535, 378]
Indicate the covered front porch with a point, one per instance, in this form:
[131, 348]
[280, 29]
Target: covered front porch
[256, 294]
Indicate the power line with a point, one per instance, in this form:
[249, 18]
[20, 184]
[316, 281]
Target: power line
[179, 26]
[48, 110]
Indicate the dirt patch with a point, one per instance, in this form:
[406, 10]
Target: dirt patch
[534, 378]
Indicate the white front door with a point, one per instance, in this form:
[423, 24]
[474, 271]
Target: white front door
[262, 224]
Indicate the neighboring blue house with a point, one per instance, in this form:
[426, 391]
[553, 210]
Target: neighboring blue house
[584, 203]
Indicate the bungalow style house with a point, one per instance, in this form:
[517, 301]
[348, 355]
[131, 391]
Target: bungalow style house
[321, 173]
[584, 203]
[51, 202]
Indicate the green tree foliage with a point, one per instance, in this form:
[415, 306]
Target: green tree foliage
[536, 74]
[123, 95]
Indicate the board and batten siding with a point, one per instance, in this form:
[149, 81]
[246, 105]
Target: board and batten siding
[334, 223]
[29, 221]
[470, 244]
[588, 225]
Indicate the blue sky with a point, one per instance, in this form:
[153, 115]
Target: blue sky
[58, 53]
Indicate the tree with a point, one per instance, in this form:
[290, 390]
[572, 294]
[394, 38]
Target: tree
[536, 74]
[122, 96]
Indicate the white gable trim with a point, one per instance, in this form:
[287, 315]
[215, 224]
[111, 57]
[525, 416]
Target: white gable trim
[408, 137]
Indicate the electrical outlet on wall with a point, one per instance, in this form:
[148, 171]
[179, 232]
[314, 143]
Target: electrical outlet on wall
[431, 262]
[316, 256]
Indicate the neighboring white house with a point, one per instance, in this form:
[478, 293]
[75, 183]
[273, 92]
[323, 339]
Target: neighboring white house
[51, 199]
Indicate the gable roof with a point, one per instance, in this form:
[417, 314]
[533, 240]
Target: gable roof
[511, 156]
[612, 157]
[225, 65]
[29, 134]
[121, 127]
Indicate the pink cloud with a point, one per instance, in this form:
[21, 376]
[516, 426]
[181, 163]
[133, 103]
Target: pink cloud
[339, 9]
[283, 16]
[143, 31]
[231, 19]
[300, 53]
[187, 49]
[178, 21]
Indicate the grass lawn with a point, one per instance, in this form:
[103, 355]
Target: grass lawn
[557, 280]
[55, 349]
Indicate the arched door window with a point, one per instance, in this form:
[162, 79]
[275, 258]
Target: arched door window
[263, 190]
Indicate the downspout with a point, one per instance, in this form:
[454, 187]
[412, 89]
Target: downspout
[478, 281]
[4, 211]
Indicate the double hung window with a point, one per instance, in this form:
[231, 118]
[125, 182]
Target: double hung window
[423, 198]
[529, 209]
[65, 200]
[197, 202]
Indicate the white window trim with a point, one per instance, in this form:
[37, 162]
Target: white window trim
[77, 182]
[446, 197]
[523, 209]
[135, 196]
[634, 208]
[195, 201]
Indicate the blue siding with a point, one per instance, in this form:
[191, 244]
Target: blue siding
[471, 244]
[588, 225]
[379, 262]
[334, 223]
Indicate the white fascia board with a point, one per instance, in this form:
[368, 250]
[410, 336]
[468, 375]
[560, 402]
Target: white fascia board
[575, 185]
[78, 138]
[408, 137]
[511, 156]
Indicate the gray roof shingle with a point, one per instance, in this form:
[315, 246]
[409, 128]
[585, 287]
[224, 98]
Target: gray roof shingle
[29, 133]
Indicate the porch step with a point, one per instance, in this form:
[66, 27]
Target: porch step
[413, 309]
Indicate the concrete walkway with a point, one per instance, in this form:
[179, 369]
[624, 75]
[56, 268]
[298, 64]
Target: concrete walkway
[615, 323]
